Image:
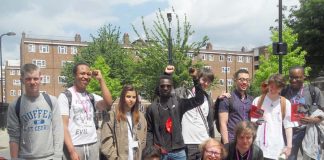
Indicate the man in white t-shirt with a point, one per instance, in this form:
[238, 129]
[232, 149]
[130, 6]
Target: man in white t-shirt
[80, 136]
[197, 123]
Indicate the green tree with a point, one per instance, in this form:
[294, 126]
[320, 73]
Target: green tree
[114, 85]
[269, 64]
[152, 53]
[106, 46]
[308, 22]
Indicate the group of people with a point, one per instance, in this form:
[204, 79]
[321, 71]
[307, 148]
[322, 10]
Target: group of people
[179, 123]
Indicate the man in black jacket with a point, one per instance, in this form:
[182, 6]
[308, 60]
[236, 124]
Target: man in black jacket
[164, 118]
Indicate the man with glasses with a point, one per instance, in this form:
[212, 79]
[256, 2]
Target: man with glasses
[300, 94]
[163, 118]
[236, 108]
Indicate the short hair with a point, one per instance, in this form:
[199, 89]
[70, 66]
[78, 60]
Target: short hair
[207, 73]
[203, 148]
[278, 80]
[165, 77]
[245, 127]
[240, 71]
[75, 67]
[28, 68]
[295, 68]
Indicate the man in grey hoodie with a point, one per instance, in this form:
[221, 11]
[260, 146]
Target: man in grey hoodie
[34, 123]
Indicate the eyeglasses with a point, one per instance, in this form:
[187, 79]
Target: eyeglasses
[212, 153]
[296, 78]
[244, 79]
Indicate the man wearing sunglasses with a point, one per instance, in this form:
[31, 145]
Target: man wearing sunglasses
[163, 118]
[310, 99]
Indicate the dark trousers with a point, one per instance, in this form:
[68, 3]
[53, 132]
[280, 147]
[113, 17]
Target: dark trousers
[297, 139]
[193, 152]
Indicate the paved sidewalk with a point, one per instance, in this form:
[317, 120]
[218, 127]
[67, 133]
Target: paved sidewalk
[4, 144]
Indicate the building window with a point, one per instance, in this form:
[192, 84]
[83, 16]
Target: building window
[62, 49]
[247, 59]
[190, 55]
[44, 49]
[45, 79]
[16, 82]
[18, 72]
[31, 47]
[244, 68]
[204, 57]
[19, 92]
[221, 58]
[221, 82]
[230, 82]
[208, 67]
[39, 63]
[225, 68]
[210, 57]
[12, 92]
[240, 59]
[64, 62]
[74, 50]
[12, 72]
[61, 80]
[229, 58]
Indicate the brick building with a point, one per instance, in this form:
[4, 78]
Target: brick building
[50, 55]
[224, 63]
[13, 84]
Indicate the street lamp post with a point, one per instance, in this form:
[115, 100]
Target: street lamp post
[280, 48]
[5, 34]
[169, 39]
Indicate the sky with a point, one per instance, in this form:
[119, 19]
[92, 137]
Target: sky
[229, 24]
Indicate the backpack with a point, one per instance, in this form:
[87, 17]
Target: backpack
[230, 106]
[68, 95]
[18, 103]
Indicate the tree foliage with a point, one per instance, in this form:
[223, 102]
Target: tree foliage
[153, 54]
[105, 47]
[113, 83]
[269, 63]
[308, 22]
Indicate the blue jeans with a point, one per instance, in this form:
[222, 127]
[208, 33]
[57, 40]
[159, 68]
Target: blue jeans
[176, 155]
[298, 136]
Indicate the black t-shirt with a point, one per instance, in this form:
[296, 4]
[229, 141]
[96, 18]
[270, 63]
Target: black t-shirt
[164, 113]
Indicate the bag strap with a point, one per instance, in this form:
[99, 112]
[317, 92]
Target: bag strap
[203, 118]
[283, 107]
[260, 101]
[282, 104]
[312, 93]
[18, 103]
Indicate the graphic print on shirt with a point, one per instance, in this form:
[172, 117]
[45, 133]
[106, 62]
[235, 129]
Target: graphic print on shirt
[82, 114]
[37, 120]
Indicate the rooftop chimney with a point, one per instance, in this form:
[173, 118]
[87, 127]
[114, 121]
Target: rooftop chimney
[209, 46]
[77, 38]
[126, 39]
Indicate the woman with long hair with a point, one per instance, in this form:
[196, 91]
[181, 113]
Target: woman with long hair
[123, 136]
